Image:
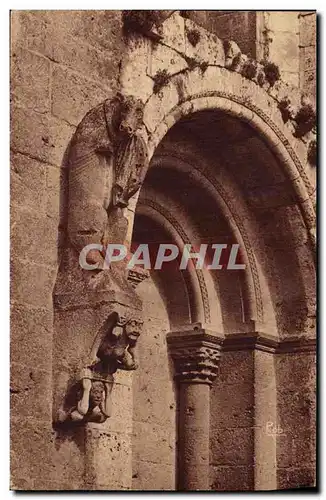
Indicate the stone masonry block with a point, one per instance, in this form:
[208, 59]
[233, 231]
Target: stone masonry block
[100, 28]
[284, 51]
[31, 283]
[42, 137]
[27, 182]
[308, 59]
[31, 449]
[231, 478]
[31, 335]
[172, 31]
[232, 446]
[283, 21]
[108, 452]
[308, 30]
[121, 419]
[163, 58]
[42, 32]
[150, 476]
[33, 237]
[232, 406]
[30, 390]
[55, 177]
[30, 78]
[236, 367]
[209, 47]
[153, 443]
[73, 95]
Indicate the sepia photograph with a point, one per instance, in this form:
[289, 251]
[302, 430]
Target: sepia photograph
[163, 168]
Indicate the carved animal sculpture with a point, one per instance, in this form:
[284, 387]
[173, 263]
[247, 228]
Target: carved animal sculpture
[107, 164]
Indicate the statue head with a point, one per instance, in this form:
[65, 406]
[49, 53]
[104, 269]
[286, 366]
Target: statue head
[133, 328]
[128, 118]
[96, 393]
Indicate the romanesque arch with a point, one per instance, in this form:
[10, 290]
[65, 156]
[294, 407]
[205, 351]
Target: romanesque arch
[164, 83]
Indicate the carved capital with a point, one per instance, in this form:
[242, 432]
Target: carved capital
[196, 355]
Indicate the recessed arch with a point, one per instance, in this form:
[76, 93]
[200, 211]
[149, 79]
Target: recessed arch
[264, 118]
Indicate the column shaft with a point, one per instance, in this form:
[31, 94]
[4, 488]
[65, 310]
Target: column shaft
[193, 441]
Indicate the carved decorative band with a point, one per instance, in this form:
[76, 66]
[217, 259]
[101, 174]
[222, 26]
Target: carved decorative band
[252, 107]
[266, 343]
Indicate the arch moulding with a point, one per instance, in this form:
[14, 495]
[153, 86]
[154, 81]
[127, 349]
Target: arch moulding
[161, 82]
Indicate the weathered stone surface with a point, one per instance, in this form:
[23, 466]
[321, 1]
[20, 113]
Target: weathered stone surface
[31, 333]
[232, 446]
[284, 51]
[55, 178]
[107, 451]
[284, 21]
[27, 182]
[173, 34]
[308, 29]
[308, 59]
[134, 77]
[27, 92]
[45, 34]
[209, 47]
[31, 447]
[296, 478]
[239, 478]
[150, 476]
[34, 237]
[32, 283]
[73, 95]
[163, 58]
[39, 136]
[30, 391]
[160, 445]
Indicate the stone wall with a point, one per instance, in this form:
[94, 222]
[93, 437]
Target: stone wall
[154, 416]
[63, 63]
[286, 38]
[236, 25]
[232, 424]
[307, 51]
[278, 41]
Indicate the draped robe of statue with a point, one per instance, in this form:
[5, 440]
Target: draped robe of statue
[108, 162]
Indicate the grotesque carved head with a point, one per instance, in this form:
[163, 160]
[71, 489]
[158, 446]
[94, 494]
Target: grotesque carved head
[96, 393]
[133, 328]
[129, 114]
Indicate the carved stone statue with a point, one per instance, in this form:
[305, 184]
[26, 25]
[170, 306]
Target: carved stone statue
[115, 348]
[95, 404]
[107, 164]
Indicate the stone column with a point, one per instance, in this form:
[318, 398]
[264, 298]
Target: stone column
[196, 356]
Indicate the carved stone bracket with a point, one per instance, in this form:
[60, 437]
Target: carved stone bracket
[113, 349]
[196, 355]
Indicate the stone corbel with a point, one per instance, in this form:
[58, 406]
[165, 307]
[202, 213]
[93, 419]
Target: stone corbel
[114, 348]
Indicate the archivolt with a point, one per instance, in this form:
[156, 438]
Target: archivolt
[147, 202]
[269, 131]
[225, 203]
